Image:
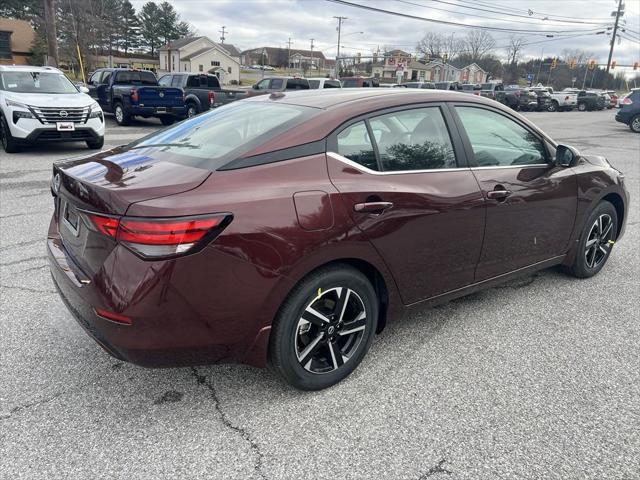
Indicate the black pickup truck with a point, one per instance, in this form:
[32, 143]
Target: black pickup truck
[201, 91]
[127, 93]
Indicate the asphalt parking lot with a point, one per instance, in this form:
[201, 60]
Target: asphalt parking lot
[537, 379]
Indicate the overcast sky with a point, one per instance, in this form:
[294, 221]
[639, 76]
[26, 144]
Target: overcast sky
[254, 23]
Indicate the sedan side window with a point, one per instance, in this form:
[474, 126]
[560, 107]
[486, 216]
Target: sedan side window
[499, 141]
[415, 139]
[276, 83]
[354, 143]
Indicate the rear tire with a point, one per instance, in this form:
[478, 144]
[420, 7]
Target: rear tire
[596, 241]
[316, 354]
[167, 120]
[553, 107]
[634, 124]
[122, 117]
[95, 144]
[192, 110]
[8, 143]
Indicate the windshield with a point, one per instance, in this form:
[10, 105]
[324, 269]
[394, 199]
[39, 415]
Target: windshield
[213, 139]
[133, 77]
[36, 82]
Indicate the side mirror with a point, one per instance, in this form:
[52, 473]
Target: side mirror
[255, 86]
[83, 89]
[566, 156]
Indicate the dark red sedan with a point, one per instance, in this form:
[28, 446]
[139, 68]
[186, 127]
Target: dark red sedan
[294, 226]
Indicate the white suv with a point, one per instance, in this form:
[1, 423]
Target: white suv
[40, 104]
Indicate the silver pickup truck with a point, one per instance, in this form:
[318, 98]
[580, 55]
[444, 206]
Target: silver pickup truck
[560, 100]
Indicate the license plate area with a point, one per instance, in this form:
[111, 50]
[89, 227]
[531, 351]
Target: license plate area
[70, 218]
[65, 126]
[161, 110]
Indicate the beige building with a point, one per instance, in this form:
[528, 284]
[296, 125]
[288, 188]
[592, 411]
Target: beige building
[16, 39]
[200, 54]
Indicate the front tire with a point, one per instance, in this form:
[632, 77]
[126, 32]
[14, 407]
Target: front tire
[324, 328]
[192, 110]
[634, 124]
[596, 241]
[95, 144]
[582, 107]
[8, 143]
[553, 107]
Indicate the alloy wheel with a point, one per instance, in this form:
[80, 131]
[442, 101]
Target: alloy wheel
[191, 112]
[119, 114]
[598, 243]
[330, 330]
[635, 124]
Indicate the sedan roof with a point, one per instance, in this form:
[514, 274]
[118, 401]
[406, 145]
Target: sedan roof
[329, 99]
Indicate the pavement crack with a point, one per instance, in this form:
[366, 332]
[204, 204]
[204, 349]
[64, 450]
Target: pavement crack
[521, 283]
[210, 385]
[27, 289]
[42, 401]
[24, 260]
[436, 469]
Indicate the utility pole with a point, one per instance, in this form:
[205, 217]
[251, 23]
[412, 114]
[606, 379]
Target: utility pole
[289, 52]
[619, 13]
[222, 37]
[50, 28]
[340, 20]
[312, 53]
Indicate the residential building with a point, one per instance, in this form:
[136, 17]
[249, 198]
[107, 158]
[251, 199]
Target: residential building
[201, 54]
[434, 71]
[283, 57]
[16, 39]
[473, 74]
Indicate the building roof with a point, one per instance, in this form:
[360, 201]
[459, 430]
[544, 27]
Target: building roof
[231, 49]
[396, 53]
[197, 53]
[179, 43]
[273, 50]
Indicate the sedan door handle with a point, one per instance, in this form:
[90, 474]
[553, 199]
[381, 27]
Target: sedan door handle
[372, 207]
[498, 194]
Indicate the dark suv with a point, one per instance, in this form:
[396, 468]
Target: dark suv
[630, 110]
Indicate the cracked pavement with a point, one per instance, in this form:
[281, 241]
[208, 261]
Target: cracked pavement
[535, 379]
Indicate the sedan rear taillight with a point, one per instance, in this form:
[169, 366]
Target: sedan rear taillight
[212, 97]
[626, 101]
[154, 238]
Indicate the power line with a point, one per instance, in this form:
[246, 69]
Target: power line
[494, 11]
[446, 22]
[530, 12]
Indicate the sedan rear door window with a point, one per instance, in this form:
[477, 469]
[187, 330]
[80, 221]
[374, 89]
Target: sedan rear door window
[354, 143]
[498, 141]
[415, 139]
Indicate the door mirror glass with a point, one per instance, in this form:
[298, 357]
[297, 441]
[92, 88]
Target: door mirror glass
[83, 89]
[566, 156]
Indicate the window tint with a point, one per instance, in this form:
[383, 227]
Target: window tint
[178, 80]
[143, 78]
[5, 45]
[262, 85]
[297, 84]
[165, 81]
[331, 84]
[106, 77]
[193, 81]
[498, 141]
[314, 83]
[413, 140]
[212, 81]
[95, 78]
[355, 144]
[349, 83]
[276, 83]
[212, 139]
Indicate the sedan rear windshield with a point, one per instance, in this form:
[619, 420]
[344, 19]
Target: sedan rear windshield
[36, 82]
[213, 139]
[350, 83]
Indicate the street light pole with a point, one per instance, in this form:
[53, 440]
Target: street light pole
[340, 19]
[613, 37]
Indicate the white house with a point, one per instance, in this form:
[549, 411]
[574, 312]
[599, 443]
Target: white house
[200, 54]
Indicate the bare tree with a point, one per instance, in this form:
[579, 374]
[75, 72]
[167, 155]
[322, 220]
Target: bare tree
[478, 43]
[580, 56]
[514, 49]
[435, 44]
